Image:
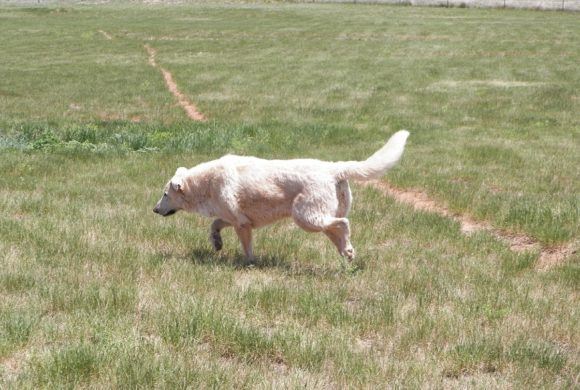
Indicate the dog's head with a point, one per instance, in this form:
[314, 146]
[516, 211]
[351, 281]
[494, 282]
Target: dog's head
[173, 198]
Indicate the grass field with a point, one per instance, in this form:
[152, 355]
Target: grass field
[96, 291]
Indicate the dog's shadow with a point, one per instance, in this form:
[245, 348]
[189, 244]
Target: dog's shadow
[295, 267]
[207, 257]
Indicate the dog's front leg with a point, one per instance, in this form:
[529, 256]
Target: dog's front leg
[244, 233]
[215, 237]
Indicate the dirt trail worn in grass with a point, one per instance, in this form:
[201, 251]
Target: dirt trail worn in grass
[189, 108]
[549, 256]
[106, 35]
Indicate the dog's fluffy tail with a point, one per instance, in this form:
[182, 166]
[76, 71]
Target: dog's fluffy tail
[377, 164]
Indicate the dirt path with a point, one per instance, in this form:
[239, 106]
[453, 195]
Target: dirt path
[189, 108]
[548, 258]
[106, 35]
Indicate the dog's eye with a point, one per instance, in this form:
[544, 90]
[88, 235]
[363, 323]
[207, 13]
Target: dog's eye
[165, 194]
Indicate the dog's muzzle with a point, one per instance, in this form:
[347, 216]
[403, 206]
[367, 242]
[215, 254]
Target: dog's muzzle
[168, 213]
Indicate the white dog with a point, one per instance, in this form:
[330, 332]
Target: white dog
[248, 193]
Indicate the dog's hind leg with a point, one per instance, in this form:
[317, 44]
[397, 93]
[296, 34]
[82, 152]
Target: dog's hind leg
[215, 236]
[310, 216]
[339, 233]
[244, 233]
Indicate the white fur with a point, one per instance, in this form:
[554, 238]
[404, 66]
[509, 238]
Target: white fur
[249, 192]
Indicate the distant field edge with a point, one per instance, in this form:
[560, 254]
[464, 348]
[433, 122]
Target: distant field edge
[552, 5]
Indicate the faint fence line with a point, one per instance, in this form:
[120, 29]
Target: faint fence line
[564, 5]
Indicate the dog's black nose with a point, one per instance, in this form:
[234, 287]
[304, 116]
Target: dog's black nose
[156, 210]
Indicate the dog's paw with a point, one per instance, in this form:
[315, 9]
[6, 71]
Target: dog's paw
[216, 240]
[349, 253]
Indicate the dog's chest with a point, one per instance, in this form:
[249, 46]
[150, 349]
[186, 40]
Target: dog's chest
[206, 209]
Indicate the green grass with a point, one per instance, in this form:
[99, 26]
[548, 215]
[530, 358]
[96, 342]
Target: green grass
[96, 291]
[489, 95]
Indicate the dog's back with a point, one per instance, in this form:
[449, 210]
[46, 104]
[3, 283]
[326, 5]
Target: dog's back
[373, 167]
[265, 190]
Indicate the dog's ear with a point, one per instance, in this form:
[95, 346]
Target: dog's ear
[177, 184]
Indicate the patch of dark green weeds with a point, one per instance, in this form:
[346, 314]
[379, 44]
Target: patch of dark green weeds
[109, 137]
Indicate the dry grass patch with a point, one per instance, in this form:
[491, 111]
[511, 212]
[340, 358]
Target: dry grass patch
[450, 84]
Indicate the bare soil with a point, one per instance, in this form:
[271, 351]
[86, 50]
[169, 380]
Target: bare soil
[189, 108]
[106, 35]
[548, 256]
